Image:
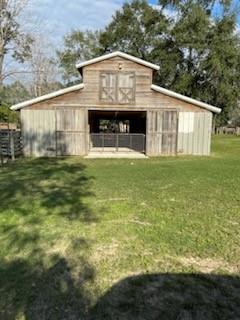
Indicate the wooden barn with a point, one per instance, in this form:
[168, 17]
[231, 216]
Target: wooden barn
[115, 110]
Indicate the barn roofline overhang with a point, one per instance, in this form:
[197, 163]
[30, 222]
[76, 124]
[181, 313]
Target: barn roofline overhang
[186, 99]
[118, 54]
[48, 96]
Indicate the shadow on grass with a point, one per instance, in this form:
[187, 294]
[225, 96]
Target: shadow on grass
[53, 182]
[31, 191]
[57, 294]
[35, 283]
[64, 287]
[34, 292]
[171, 297]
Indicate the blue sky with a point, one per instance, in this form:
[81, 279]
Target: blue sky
[57, 17]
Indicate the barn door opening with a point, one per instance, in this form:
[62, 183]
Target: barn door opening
[162, 129]
[117, 131]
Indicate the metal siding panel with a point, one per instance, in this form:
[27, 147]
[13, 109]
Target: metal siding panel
[201, 133]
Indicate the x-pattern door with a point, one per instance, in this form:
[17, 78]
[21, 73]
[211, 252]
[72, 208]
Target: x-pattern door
[117, 87]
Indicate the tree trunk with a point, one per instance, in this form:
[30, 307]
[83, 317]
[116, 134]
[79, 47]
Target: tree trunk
[1, 69]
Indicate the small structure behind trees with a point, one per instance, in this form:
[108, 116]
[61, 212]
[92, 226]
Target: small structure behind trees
[228, 130]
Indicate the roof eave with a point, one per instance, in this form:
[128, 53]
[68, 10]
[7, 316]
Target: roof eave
[186, 99]
[45, 97]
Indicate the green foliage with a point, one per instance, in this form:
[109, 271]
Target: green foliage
[198, 53]
[142, 31]
[6, 115]
[78, 46]
[135, 29]
[9, 95]
[209, 55]
[13, 93]
[222, 66]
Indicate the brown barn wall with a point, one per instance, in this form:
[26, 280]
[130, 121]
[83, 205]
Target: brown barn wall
[88, 97]
[193, 123]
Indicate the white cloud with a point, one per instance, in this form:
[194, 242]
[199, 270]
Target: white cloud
[56, 18]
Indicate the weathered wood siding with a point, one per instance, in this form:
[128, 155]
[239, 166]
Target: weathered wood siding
[89, 97]
[71, 125]
[162, 131]
[59, 126]
[38, 132]
[54, 132]
[194, 133]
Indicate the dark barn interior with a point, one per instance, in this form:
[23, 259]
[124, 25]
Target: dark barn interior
[117, 130]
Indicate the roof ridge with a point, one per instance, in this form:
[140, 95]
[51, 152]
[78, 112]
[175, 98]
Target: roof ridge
[115, 54]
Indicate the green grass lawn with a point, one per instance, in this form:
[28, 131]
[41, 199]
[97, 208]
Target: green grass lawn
[121, 239]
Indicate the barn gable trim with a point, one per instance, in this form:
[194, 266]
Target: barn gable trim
[185, 98]
[118, 54]
[47, 96]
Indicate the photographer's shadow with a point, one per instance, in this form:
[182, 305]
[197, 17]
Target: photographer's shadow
[171, 297]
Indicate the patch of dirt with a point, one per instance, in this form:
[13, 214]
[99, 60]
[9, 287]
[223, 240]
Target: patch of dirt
[143, 223]
[125, 221]
[105, 251]
[208, 265]
[112, 199]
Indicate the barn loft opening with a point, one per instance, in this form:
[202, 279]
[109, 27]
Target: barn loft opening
[117, 131]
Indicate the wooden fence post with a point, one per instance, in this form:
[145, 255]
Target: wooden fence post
[12, 147]
[1, 152]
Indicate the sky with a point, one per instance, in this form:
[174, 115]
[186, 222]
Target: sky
[58, 17]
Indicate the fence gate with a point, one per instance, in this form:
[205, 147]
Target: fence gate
[125, 142]
[162, 129]
[70, 132]
[10, 144]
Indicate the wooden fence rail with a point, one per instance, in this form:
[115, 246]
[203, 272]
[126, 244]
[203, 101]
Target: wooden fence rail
[228, 130]
[10, 144]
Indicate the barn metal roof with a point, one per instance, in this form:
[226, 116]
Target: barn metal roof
[126, 56]
[185, 98]
[47, 96]
[118, 54]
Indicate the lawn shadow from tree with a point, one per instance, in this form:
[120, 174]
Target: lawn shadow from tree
[171, 297]
[55, 183]
[30, 289]
[51, 185]
[35, 292]
[35, 284]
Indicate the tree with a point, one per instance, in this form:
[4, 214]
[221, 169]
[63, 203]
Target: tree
[209, 53]
[198, 52]
[9, 95]
[13, 93]
[6, 115]
[221, 66]
[12, 39]
[141, 30]
[43, 73]
[78, 46]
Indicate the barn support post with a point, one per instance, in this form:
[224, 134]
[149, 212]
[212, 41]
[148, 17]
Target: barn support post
[12, 148]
